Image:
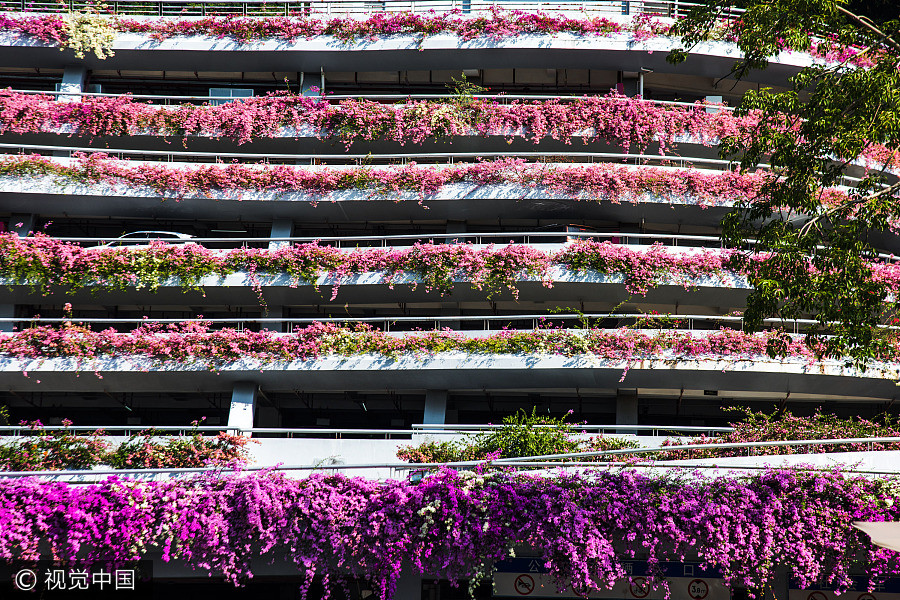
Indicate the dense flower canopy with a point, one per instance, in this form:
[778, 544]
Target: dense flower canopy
[590, 181]
[195, 341]
[582, 527]
[44, 261]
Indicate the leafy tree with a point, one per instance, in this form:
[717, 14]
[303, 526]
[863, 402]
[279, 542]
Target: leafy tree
[813, 135]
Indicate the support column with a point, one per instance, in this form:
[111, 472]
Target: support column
[308, 81]
[243, 405]
[74, 80]
[435, 407]
[626, 408]
[281, 228]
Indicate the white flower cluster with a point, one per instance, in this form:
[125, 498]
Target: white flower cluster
[89, 32]
[427, 512]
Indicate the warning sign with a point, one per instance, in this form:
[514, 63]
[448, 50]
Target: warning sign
[859, 589]
[524, 584]
[698, 589]
[528, 577]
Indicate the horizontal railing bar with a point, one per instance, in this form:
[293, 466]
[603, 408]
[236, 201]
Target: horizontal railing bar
[689, 428]
[364, 238]
[363, 96]
[28, 428]
[416, 429]
[369, 156]
[363, 159]
[528, 461]
[548, 317]
[727, 445]
[347, 7]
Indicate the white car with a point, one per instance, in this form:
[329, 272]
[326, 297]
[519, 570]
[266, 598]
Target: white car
[142, 239]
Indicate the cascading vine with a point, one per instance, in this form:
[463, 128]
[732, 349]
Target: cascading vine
[43, 262]
[581, 527]
[495, 25]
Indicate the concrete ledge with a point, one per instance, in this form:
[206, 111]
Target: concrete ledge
[402, 52]
[454, 371]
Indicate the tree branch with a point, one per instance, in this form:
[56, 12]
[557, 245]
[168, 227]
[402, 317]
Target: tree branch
[864, 22]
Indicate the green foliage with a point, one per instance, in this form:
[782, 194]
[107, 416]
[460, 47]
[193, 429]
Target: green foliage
[43, 449]
[521, 434]
[781, 425]
[812, 134]
[525, 434]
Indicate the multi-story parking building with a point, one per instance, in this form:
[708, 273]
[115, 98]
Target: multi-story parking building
[489, 182]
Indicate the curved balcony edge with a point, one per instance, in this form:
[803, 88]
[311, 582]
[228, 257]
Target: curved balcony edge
[401, 52]
[454, 371]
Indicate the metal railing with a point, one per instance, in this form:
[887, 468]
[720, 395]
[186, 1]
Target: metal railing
[527, 322]
[324, 9]
[401, 240]
[502, 98]
[653, 430]
[749, 446]
[394, 159]
[376, 160]
[550, 461]
[349, 432]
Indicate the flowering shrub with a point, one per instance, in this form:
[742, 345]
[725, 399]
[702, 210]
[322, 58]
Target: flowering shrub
[778, 426]
[496, 25]
[521, 435]
[621, 120]
[44, 450]
[194, 342]
[456, 525]
[43, 261]
[603, 181]
[52, 450]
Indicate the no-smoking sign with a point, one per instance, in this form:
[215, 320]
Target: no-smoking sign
[639, 587]
[524, 584]
[698, 589]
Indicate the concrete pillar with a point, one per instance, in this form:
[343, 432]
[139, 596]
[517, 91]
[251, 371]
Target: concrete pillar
[7, 311]
[626, 408]
[22, 224]
[243, 405]
[308, 81]
[435, 407]
[281, 228]
[74, 80]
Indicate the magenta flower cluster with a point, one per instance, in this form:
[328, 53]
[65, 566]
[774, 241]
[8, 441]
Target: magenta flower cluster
[593, 181]
[456, 525]
[44, 261]
[622, 120]
[195, 341]
[496, 26]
